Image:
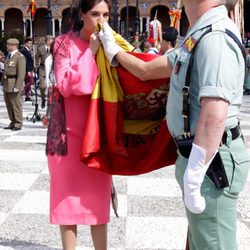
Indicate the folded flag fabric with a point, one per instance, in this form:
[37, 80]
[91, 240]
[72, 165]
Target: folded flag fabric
[126, 132]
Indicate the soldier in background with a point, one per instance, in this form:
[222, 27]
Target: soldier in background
[42, 53]
[13, 79]
[169, 37]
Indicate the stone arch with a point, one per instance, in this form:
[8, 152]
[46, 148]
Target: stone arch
[184, 24]
[162, 16]
[65, 20]
[65, 12]
[40, 22]
[131, 22]
[246, 16]
[13, 25]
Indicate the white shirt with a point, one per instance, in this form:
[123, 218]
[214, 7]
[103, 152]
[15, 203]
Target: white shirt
[26, 48]
[13, 52]
[48, 77]
[153, 51]
[1, 66]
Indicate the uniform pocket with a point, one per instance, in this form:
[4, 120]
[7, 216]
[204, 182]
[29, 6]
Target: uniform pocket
[236, 162]
[241, 163]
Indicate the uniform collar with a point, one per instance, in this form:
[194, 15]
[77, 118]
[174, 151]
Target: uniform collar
[169, 50]
[212, 16]
[13, 52]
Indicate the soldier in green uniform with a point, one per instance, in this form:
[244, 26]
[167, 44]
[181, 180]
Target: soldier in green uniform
[206, 122]
[42, 53]
[13, 79]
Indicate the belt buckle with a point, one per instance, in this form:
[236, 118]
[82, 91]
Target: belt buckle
[5, 77]
[186, 134]
[185, 90]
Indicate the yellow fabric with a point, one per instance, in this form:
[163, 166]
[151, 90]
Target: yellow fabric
[108, 88]
[141, 127]
[111, 90]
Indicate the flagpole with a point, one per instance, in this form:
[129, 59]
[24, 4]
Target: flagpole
[32, 27]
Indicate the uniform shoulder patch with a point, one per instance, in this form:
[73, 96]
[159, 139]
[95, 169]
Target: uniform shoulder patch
[189, 44]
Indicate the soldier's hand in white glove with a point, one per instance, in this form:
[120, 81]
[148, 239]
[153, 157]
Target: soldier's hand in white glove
[108, 41]
[193, 178]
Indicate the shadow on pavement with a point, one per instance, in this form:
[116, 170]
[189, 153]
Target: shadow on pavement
[22, 245]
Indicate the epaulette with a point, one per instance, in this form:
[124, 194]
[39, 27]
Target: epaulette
[19, 53]
[219, 26]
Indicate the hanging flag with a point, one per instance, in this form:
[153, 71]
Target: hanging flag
[175, 15]
[32, 7]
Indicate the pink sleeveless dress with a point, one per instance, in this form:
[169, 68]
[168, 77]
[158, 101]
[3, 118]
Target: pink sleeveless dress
[78, 194]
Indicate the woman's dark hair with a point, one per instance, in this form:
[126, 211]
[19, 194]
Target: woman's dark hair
[73, 21]
[87, 5]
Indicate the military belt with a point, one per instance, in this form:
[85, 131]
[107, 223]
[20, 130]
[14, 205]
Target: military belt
[9, 76]
[185, 144]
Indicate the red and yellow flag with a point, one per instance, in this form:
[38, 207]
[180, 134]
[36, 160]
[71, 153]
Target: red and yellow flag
[32, 7]
[126, 131]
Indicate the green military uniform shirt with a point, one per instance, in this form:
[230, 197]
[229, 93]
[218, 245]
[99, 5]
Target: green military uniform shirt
[42, 53]
[14, 72]
[218, 71]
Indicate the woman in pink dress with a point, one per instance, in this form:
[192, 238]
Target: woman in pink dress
[78, 194]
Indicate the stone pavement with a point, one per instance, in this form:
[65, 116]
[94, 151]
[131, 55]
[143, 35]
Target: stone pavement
[150, 206]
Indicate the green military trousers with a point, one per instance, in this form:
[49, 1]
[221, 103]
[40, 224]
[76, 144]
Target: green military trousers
[215, 228]
[13, 103]
[42, 83]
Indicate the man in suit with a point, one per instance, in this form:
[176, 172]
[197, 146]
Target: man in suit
[13, 78]
[42, 53]
[29, 80]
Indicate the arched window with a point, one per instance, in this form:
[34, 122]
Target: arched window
[12, 25]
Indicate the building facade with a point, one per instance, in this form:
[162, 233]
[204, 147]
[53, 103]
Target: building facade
[15, 19]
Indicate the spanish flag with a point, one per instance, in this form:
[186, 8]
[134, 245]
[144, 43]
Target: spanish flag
[32, 7]
[126, 131]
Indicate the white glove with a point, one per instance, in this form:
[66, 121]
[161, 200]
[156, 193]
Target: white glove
[16, 90]
[109, 44]
[193, 178]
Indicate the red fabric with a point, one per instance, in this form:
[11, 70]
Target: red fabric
[151, 40]
[133, 154]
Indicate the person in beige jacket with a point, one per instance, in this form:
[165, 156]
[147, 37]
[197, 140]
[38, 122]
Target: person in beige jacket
[42, 53]
[13, 79]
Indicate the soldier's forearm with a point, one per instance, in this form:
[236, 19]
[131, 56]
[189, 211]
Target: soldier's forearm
[211, 125]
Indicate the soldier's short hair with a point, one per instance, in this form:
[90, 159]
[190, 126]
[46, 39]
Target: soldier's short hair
[230, 4]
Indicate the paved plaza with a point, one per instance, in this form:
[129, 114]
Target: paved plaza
[150, 206]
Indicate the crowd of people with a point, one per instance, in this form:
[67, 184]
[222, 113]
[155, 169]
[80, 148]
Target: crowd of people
[206, 74]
